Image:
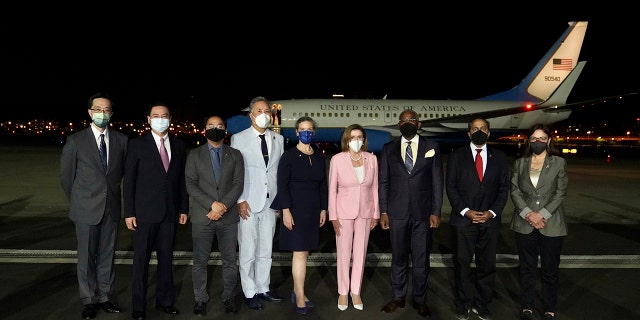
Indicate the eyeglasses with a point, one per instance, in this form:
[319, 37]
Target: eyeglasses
[101, 110]
[541, 139]
[212, 126]
[408, 120]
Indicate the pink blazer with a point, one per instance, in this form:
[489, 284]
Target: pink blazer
[349, 199]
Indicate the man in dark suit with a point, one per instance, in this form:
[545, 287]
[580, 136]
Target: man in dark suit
[411, 187]
[155, 199]
[93, 187]
[215, 180]
[478, 189]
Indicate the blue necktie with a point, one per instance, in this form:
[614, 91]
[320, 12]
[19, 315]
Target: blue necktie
[215, 159]
[265, 152]
[103, 152]
[408, 157]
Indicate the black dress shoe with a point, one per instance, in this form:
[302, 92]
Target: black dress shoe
[89, 312]
[200, 308]
[270, 296]
[138, 315]
[393, 305]
[253, 303]
[110, 307]
[230, 306]
[168, 309]
[423, 310]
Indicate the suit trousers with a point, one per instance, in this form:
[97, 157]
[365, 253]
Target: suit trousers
[95, 268]
[415, 237]
[474, 288]
[255, 243]
[351, 251]
[146, 238]
[227, 236]
[548, 248]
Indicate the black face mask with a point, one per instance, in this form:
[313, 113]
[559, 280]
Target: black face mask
[215, 134]
[408, 130]
[479, 138]
[537, 147]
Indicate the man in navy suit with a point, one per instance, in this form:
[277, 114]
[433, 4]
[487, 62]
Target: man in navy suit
[478, 194]
[155, 200]
[215, 180]
[411, 187]
[93, 188]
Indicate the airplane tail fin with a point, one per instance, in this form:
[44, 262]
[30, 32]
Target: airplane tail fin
[551, 71]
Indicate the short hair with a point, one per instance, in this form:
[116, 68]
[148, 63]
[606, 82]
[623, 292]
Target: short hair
[306, 118]
[346, 137]
[158, 103]
[99, 95]
[206, 119]
[258, 99]
[413, 114]
[478, 118]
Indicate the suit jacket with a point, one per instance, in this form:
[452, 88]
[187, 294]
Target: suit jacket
[151, 194]
[348, 198]
[258, 180]
[418, 193]
[465, 190]
[547, 197]
[91, 191]
[203, 188]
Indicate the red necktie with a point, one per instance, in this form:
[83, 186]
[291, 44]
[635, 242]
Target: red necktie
[479, 163]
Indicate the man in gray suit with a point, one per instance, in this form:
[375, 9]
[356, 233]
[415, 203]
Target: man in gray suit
[261, 149]
[215, 176]
[91, 171]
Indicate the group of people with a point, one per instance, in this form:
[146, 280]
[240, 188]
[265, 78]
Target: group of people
[241, 191]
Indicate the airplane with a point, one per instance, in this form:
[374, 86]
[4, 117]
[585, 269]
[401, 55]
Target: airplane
[540, 98]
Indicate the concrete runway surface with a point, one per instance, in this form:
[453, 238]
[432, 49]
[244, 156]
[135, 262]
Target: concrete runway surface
[601, 255]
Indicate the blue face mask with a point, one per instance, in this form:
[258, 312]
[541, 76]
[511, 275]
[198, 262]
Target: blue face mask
[306, 137]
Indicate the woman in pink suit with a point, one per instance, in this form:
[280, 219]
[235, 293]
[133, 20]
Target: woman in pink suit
[353, 210]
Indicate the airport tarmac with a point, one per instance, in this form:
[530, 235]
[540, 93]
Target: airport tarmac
[600, 256]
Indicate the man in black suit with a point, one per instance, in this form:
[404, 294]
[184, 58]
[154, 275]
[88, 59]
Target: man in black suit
[478, 189]
[411, 187]
[155, 199]
[215, 180]
[93, 186]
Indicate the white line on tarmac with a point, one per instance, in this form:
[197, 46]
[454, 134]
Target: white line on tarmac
[322, 259]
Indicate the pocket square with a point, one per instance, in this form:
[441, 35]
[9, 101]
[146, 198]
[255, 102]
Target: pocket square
[430, 153]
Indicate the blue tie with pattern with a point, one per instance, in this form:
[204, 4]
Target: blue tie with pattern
[408, 157]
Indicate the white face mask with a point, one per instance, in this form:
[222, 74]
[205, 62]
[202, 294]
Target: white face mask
[355, 145]
[262, 120]
[160, 124]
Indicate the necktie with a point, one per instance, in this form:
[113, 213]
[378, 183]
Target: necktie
[215, 159]
[164, 155]
[408, 157]
[103, 152]
[479, 164]
[265, 152]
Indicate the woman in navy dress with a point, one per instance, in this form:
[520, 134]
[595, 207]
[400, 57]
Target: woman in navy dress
[303, 198]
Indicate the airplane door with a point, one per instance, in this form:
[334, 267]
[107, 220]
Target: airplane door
[388, 117]
[514, 121]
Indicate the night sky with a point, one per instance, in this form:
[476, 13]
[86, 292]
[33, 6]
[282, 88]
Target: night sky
[202, 65]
